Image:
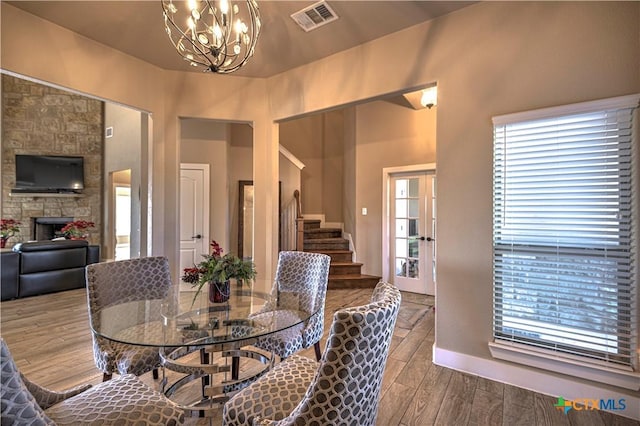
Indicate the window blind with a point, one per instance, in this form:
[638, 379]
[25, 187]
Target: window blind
[563, 256]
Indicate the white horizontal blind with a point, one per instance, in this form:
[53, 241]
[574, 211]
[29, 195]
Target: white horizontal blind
[562, 242]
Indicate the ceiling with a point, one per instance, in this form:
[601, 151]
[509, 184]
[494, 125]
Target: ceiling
[137, 28]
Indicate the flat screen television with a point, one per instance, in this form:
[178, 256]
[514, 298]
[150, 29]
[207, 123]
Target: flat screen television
[49, 173]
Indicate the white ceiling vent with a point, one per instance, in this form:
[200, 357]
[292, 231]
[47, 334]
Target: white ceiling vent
[314, 16]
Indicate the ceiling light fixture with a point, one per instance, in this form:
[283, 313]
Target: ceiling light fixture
[218, 35]
[429, 97]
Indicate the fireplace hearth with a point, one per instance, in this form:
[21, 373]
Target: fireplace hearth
[45, 228]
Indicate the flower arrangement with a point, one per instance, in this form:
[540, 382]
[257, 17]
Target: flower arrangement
[77, 229]
[8, 228]
[216, 268]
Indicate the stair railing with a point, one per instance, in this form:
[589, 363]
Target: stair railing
[292, 225]
[299, 222]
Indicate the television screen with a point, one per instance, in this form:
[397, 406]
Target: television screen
[49, 173]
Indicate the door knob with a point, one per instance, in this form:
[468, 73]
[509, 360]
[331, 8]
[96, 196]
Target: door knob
[197, 237]
[429, 239]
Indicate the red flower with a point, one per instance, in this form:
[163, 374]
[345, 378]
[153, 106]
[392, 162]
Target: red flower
[77, 228]
[9, 227]
[216, 250]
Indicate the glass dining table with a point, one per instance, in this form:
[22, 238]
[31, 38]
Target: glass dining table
[205, 348]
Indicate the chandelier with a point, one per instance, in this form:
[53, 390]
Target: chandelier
[218, 35]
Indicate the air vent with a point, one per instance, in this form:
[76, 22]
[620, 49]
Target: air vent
[314, 16]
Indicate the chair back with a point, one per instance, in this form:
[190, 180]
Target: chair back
[301, 280]
[347, 385]
[111, 283]
[18, 404]
[301, 284]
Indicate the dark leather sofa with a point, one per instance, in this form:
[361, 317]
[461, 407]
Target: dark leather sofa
[45, 267]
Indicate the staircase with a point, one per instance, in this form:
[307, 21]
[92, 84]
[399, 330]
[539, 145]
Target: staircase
[343, 273]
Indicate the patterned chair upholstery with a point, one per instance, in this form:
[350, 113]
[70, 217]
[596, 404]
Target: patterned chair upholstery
[125, 400]
[300, 285]
[111, 283]
[343, 388]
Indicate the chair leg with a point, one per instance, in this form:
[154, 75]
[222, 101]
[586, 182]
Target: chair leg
[235, 367]
[316, 346]
[106, 376]
[155, 374]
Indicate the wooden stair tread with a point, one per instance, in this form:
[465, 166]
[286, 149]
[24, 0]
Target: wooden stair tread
[348, 276]
[329, 251]
[346, 264]
[353, 277]
[329, 239]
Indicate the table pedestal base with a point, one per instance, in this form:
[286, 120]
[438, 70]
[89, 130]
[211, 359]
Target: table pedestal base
[220, 376]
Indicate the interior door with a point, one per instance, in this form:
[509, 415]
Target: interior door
[412, 228]
[194, 213]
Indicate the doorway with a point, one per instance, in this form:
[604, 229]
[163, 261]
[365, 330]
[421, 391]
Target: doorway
[411, 226]
[119, 229]
[123, 222]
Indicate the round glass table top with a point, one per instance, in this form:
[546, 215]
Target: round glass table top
[184, 320]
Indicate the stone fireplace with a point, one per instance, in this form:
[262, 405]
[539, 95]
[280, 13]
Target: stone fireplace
[45, 228]
[42, 120]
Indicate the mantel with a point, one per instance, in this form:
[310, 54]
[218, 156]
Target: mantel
[45, 194]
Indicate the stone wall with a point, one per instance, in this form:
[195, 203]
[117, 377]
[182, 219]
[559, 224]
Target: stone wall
[42, 120]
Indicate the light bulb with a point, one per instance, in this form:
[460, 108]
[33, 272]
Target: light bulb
[224, 6]
[238, 26]
[429, 97]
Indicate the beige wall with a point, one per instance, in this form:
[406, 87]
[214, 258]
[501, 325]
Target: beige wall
[349, 172]
[207, 142]
[122, 151]
[227, 149]
[185, 98]
[240, 168]
[318, 141]
[332, 167]
[387, 135]
[487, 59]
[304, 138]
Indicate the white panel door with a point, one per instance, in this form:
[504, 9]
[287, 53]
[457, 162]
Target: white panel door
[194, 213]
[412, 229]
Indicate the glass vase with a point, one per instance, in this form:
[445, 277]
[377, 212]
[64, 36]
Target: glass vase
[219, 292]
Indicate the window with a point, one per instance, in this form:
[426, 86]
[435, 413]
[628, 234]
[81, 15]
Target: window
[564, 252]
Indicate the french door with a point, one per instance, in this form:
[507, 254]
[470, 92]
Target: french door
[412, 230]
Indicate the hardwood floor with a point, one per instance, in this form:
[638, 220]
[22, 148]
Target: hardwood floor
[49, 338]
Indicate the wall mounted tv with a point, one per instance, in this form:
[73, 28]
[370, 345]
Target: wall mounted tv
[49, 173]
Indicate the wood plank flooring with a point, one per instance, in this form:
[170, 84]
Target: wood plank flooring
[49, 338]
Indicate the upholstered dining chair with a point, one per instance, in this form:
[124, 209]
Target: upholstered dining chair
[124, 400]
[111, 283]
[300, 285]
[343, 388]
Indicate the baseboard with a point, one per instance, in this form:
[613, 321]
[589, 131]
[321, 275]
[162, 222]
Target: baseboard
[536, 381]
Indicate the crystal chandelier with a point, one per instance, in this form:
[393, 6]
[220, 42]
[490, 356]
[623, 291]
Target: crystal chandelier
[218, 35]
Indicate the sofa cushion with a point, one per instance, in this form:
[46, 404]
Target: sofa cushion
[48, 260]
[50, 281]
[50, 245]
[47, 267]
[9, 266]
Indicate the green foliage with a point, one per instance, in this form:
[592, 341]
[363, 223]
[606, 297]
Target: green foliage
[218, 268]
